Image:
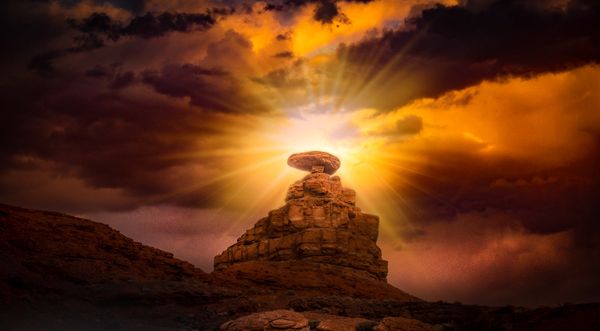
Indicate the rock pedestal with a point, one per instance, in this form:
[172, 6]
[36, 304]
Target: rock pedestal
[319, 223]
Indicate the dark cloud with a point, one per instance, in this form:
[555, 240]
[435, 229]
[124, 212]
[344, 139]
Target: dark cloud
[42, 63]
[210, 89]
[135, 6]
[284, 78]
[98, 28]
[149, 25]
[522, 234]
[122, 80]
[500, 207]
[410, 124]
[518, 224]
[517, 199]
[111, 124]
[286, 54]
[283, 36]
[326, 11]
[139, 145]
[546, 200]
[97, 72]
[487, 258]
[27, 25]
[113, 74]
[452, 47]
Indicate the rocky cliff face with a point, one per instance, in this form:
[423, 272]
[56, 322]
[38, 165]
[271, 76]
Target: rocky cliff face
[318, 223]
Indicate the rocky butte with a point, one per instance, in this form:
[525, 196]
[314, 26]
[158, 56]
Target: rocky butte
[319, 223]
[312, 264]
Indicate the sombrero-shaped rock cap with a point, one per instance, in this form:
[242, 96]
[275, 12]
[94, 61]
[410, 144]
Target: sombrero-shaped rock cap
[307, 160]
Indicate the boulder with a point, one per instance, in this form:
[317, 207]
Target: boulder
[315, 161]
[269, 320]
[402, 324]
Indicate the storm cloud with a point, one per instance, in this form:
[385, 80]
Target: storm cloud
[99, 28]
[326, 11]
[451, 47]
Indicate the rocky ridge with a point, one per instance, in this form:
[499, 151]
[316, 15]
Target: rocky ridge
[319, 223]
[59, 272]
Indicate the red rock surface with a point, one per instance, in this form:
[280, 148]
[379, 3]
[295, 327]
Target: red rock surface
[309, 279]
[402, 324]
[290, 320]
[318, 223]
[269, 320]
[48, 244]
[327, 322]
[306, 161]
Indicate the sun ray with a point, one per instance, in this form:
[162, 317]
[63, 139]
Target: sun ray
[228, 175]
[268, 198]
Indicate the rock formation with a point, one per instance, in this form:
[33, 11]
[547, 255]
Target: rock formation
[289, 320]
[59, 272]
[270, 320]
[306, 161]
[318, 223]
[399, 323]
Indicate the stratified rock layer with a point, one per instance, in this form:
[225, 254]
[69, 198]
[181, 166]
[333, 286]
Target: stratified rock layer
[319, 223]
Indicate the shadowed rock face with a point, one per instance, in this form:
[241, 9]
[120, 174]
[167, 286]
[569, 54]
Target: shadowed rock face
[320, 161]
[319, 223]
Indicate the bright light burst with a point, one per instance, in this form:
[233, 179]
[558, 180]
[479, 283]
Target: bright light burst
[333, 133]
[369, 163]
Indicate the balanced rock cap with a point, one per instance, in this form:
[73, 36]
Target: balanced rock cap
[307, 160]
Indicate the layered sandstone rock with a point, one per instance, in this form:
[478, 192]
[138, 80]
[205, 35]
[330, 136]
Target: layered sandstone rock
[319, 223]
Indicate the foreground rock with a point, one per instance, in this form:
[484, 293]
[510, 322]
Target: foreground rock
[293, 321]
[270, 320]
[290, 320]
[402, 324]
[327, 322]
[319, 223]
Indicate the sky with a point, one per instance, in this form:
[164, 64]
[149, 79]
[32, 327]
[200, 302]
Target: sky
[471, 127]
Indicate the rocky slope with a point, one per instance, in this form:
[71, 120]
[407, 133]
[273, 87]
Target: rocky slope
[312, 279]
[59, 272]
